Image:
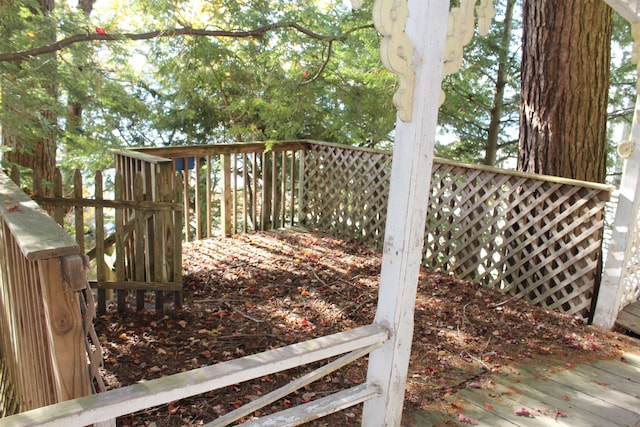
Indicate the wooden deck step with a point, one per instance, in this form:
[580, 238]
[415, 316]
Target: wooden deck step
[629, 318]
[599, 394]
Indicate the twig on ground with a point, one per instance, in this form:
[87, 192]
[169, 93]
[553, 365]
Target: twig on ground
[498, 304]
[247, 316]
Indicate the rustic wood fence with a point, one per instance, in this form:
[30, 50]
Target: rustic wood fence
[49, 351]
[529, 236]
[145, 239]
[233, 188]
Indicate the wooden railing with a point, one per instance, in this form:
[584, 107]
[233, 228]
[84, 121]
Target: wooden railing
[45, 320]
[530, 236]
[103, 408]
[234, 187]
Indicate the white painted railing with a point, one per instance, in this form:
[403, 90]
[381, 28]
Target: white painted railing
[103, 408]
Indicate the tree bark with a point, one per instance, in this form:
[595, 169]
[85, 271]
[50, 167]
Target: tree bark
[564, 88]
[39, 153]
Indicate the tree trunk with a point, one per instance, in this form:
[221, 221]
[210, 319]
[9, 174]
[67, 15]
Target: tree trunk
[491, 149]
[39, 153]
[564, 88]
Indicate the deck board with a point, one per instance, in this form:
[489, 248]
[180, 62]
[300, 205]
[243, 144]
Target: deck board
[599, 394]
[629, 318]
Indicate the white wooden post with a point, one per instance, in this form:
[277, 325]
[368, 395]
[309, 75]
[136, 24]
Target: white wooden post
[612, 285]
[426, 27]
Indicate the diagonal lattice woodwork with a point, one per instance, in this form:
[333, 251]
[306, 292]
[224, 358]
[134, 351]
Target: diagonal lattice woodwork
[533, 237]
[631, 292]
[346, 191]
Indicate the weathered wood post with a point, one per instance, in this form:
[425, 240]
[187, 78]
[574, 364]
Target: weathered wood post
[620, 249]
[226, 205]
[416, 54]
[422, 41]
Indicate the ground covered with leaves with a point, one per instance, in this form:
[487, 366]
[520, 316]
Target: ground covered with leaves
[251, 293]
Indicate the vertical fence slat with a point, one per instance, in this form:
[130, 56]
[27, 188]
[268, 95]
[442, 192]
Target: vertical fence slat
[177, 245]
[197, 206]
[119, 219]
[78, 211]
[187, 204]
[99, 244]
[245, 186]
[58, 211]
[139, 239]
[209, 198]
[234, 194]
[274, 191]
[225, 202]
[256, 192]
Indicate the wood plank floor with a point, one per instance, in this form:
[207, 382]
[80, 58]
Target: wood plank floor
[629, 318]
[599, 394]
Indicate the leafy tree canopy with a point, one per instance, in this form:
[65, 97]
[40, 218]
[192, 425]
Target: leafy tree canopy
[195, 72]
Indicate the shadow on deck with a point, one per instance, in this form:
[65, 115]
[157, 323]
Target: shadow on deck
[557, 393]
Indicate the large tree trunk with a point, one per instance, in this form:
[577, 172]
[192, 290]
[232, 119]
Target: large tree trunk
[37, 150]
[565, 82]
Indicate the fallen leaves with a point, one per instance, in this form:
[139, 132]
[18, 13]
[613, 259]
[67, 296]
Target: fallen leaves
[523, 412]
[467, 420]
[250, 293]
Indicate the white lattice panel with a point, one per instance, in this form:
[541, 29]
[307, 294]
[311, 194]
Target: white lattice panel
[632, 271]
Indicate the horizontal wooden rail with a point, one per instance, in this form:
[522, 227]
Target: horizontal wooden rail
[318, 408]
[107, 406]
[216, 149]
[38, 235]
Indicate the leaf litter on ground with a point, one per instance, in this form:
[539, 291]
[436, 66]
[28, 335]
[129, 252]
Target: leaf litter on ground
[250, 293]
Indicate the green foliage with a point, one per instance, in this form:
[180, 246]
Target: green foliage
[465, 114]
[200, 90]
[285, 85]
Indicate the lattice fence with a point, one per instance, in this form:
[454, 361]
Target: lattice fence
[345, 191]
[632, 270]
[533, 237]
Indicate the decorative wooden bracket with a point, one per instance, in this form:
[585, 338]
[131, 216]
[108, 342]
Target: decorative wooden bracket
[460, 31]
[396, 49]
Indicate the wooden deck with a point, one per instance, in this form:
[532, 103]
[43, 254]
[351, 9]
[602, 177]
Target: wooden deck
[629, 318]
[601, 393]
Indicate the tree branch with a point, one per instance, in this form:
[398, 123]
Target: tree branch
[255, 33]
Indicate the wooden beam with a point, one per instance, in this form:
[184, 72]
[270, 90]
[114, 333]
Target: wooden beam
[113, 403]
[66, 335]
[426, 27]
[628, 9]
[24, 217]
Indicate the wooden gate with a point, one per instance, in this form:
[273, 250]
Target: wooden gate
[140, 227]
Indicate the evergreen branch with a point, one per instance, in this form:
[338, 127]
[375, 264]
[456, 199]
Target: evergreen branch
[255, 33]
[322, 67]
